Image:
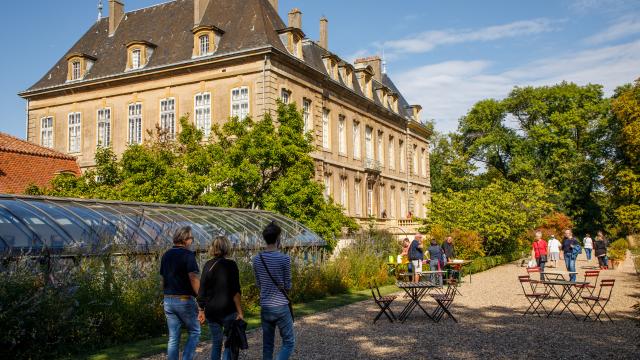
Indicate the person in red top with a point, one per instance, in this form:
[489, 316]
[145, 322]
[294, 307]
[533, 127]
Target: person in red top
[540, 252]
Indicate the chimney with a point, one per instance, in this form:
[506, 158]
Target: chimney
[324, 33]
[376, 63]
[295, 18]
[116, 13]
[416, 110]
[199, 7]
[274, 3]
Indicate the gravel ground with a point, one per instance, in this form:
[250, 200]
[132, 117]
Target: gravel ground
[490, 325]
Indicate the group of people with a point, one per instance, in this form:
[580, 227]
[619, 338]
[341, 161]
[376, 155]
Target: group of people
[438, 255]
[550, 251]
[192, 298]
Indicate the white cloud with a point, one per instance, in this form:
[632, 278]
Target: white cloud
[429, 40]
[447, 90]
[628, 25]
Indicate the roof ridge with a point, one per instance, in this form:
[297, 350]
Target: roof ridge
[149, 7]
[47, 152]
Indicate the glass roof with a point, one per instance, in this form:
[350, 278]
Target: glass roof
[28, 224]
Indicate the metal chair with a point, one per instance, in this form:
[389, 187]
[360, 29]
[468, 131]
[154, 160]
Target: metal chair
[601, 300]
[383, 302]
[534, 282]
[535, 298]
[444, 302]
[590, 276]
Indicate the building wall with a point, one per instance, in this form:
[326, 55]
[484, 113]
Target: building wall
[219, 80]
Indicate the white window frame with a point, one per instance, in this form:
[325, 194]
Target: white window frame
[415, 160]
[403, 155]
[403, 204]
[368, 142]
[306, 115]
[392, 152]
[168, 116]
[392, 203]
[285, 96]
[342, 135]
[76, 70]
[202, 110]
[381, 202]
[370, 207]
[381, 147]
[240, 104]
[205, 44]
[357, 141]
[344, 195]
[358, 198]
[327, 186]
[46, 132]
[136, 59]
[326, 129]
[75, 132]
[103, 122]
[423, 162]
[134, 121]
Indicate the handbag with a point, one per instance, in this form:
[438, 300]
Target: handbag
[543, 258]
[280, 287]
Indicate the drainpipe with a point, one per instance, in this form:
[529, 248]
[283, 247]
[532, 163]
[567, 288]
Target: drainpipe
[26, 126]
[408, 168]
[264, 79]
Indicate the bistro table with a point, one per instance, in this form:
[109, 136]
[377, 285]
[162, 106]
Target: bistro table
[416, 291]
[568, 291]
[558, 275]
[457, 265]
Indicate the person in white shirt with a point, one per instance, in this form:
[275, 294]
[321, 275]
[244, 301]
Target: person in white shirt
[554, 250]
[588, 246]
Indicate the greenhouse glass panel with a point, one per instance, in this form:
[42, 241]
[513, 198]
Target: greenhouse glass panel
[47, 231]
[14, 234]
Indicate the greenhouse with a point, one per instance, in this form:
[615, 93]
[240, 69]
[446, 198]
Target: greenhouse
[29, 225]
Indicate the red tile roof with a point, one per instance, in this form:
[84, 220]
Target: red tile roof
[23, 163]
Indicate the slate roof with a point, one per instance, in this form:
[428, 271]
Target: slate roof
[247, 25]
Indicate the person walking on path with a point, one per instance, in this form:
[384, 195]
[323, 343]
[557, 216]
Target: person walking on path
[553, 248]
[600, 246]
[416, 255]
[219, 296]
[272, 270]
[435, 257]
[569, 245]
[540, 252]
[588, 246]
[180, 285]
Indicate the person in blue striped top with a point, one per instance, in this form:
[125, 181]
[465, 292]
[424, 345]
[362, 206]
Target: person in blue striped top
[272, 270]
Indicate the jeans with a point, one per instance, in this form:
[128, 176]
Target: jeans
[570, 262]
[541, 266]
[181, 312]
[281, 317]
[588, 252]
[435, 278]
[216, 338]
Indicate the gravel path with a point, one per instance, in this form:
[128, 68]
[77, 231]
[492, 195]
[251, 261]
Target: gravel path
[490, 325]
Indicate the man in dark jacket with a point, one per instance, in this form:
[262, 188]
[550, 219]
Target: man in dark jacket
[448, 248]
[568, 243]
[416, 254]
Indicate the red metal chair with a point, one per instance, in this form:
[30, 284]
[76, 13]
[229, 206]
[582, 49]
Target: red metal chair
[383, 303]
[444, 302]
[534, 282]
[601, 300]
[535, 298]
[590, 276]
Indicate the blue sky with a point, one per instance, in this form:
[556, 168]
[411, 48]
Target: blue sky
[444, 55]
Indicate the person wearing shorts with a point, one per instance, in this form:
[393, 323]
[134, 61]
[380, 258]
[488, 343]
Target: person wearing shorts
[554, 250]
[416, 254]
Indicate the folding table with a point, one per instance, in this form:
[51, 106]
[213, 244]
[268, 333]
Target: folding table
[416, 291]
[567, 291]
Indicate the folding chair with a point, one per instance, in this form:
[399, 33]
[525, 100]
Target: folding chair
[534, 282]
[591, 277]
[383, 303]
[444, 302]
[601, 300]
[535, 298]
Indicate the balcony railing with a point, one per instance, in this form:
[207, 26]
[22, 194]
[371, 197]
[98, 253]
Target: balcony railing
[372, 165]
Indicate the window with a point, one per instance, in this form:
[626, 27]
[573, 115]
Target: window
[381, 148]
[416, 204]
[403, 203]
[423, 162]
[392, 153]
[240, 102]
[104, 127]
[168, 117]
[136, 59]
[306, 114]
[46, 132]
[284, 96]
[204, 44]
[135, 123]
[356, 140]
[203, 113]
[370, 199]
[325, 129]
[402, 155]
[382, 211]
[415, 160]
[76, 72]
[392, 203]
[75, 132]
[358, 199]
[344, 197]
[327, 186]
[368, 145]
[342, 135]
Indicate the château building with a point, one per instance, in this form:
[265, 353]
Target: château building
[215, 59]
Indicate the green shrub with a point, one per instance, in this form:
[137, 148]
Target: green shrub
[618, 249]
[488, 262]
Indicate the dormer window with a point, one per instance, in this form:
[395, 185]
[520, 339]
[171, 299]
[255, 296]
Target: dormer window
[346, 72]
[365, 75]
[205, 40]
[78, 66]
[331, 64]
[292, 40]
[138, 54]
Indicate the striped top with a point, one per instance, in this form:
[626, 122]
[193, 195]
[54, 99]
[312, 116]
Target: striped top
[279, 265]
